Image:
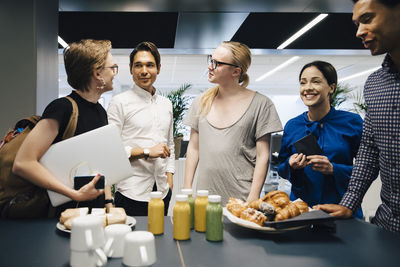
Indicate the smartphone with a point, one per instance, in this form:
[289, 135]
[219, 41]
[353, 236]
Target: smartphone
[80, 181]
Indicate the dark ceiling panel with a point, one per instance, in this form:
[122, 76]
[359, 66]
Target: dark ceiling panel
[269, 30]
[337, 31]
[124, 29]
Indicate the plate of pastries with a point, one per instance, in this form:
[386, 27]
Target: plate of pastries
[274, 212]
[114, 216]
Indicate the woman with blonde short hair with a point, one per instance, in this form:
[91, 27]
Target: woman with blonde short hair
[230, 129]
[90, 69]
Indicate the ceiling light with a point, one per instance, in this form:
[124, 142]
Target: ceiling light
[302, 31]
[281, 66]
[62, 42]
[358, 74]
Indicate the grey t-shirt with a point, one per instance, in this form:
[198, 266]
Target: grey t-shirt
[227, 156]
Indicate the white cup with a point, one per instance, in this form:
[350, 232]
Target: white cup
[139, 249]
[91, 258]
[87, 240]
[115, 234]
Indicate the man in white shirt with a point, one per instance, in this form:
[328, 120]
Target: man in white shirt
[145, 121]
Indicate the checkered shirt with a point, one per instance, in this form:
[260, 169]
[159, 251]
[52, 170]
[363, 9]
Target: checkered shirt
[380, 147]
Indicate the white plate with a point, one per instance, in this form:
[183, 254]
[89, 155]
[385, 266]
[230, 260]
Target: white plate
[129, 221]
[251, 225]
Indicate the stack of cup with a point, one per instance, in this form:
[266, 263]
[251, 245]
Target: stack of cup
[87, 241]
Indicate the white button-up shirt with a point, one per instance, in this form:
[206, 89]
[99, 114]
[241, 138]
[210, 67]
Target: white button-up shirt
[144, 120]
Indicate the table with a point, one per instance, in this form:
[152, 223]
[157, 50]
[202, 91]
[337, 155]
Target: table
[355, 243]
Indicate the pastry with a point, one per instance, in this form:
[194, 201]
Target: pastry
[290, 211]
[236, 206]
[278, 199]
[72, 213]
[268, 210]
[253, 215]
[303, 206]
[255, 204]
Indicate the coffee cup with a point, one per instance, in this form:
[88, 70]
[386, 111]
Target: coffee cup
[87, 240]
[115, 235]
[139, 249]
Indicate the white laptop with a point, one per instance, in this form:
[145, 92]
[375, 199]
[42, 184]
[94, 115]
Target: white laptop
[101, 149]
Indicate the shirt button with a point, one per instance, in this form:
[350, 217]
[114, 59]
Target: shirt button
[395, 190]
[394, 107]
[393, 164]
[393, 136]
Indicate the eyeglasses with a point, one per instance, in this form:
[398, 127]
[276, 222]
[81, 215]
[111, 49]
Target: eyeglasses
[114, 68]
[214, 63]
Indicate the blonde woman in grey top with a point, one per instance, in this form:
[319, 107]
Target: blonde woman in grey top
[230, 129]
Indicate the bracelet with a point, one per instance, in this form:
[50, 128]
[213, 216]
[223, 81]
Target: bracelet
[106, 201]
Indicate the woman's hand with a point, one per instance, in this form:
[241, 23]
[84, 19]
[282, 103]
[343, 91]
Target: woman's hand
[88, 191]
[298, 161]
[320, 163]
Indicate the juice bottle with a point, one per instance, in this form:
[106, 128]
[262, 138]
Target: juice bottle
[189, 193]
[200, 205]
[181, 219]
[156, 213]
[214, 219]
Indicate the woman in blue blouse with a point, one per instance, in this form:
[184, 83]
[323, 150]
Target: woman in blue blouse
[320, 178]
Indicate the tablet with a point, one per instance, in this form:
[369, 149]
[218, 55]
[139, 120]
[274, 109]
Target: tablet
[101, 149]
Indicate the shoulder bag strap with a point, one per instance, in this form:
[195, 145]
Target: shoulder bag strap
[73, 120]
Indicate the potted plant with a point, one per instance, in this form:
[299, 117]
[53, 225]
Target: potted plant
[359, 105]
[340, 94]
[180, 104]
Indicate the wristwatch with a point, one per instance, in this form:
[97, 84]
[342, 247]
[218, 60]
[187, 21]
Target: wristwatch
[106, 201]
[146, 153]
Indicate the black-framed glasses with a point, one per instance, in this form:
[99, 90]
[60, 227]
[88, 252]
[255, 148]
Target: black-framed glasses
[214, 63]
[114, 68]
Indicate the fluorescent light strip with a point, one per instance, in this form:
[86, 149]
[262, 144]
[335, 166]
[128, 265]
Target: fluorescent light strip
[62, 42]
[281, 66]
[302, 31]
[358, 74]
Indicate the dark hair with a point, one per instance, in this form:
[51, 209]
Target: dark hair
[388, 3]
[146, 46]
[326, 69]
[81, 58]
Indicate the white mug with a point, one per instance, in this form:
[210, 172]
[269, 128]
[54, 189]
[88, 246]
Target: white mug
[87, 240]
[115, 235]
[139, 249]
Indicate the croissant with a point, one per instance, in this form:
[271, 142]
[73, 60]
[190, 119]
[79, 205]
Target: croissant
[253, 215]
[303, 206]
[255, 204]
[236, 206]
[278, 199]
[290, 211]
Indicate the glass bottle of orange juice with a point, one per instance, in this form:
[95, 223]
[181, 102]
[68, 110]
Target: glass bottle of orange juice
[189, 193]
[200, 205]
[181, 219]
[156, 213]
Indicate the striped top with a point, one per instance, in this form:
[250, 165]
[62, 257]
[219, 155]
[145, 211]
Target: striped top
[380, 147]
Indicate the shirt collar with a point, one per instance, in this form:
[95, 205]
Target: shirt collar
[144, 93]
[324, 119]
[388, 65]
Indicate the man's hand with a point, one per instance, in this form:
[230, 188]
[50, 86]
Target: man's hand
[160, 150]
[170, 179]
[335, 210]
[320, 163]
[297, 161]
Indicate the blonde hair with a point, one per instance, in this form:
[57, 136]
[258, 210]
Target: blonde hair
[81, 58]
[241, 57]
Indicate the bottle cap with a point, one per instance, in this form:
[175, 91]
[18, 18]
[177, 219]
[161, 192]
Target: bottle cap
[202, 193]
[181, 198]
[187, 191]
[214, 198]
[156, 194]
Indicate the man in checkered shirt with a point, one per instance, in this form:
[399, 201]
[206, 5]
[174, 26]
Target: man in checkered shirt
[378, 23]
